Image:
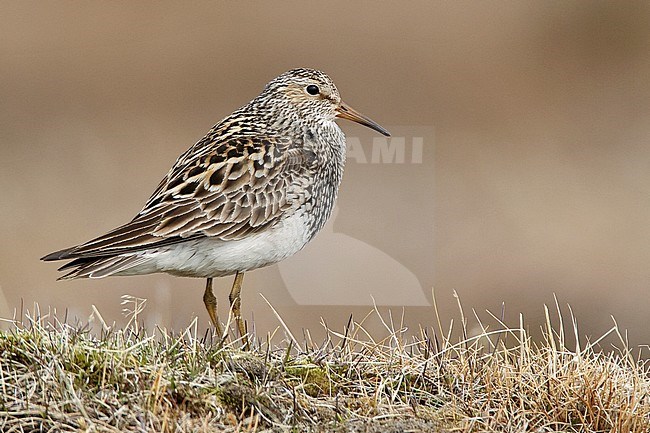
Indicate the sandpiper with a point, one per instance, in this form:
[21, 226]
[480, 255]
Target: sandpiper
[252, 192]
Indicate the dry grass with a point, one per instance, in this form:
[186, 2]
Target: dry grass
[62, 378]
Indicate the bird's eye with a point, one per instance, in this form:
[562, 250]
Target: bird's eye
[313, 90]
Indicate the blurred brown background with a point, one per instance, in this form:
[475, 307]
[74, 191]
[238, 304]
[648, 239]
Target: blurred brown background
[534, 177]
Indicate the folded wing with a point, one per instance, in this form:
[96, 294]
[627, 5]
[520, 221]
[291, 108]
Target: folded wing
[225, 190]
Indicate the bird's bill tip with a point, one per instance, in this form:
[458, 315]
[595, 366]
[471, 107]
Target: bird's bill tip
[344, 111]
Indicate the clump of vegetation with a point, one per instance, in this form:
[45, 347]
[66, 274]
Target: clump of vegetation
[65, 378]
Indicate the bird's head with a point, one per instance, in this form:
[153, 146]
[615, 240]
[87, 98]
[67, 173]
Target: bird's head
[313, 94]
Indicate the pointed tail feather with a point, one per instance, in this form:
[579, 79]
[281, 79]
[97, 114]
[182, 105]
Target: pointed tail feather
[100, 267]
[59, 255]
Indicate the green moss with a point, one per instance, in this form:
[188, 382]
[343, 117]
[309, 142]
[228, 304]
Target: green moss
[314, 380]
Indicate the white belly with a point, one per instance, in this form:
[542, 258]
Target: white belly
[214, 258]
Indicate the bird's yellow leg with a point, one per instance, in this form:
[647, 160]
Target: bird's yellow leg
[235, 304]
[210, 302]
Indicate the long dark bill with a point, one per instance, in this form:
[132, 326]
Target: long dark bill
[344, 111]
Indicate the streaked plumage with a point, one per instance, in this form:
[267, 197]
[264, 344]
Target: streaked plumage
[252, 192]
